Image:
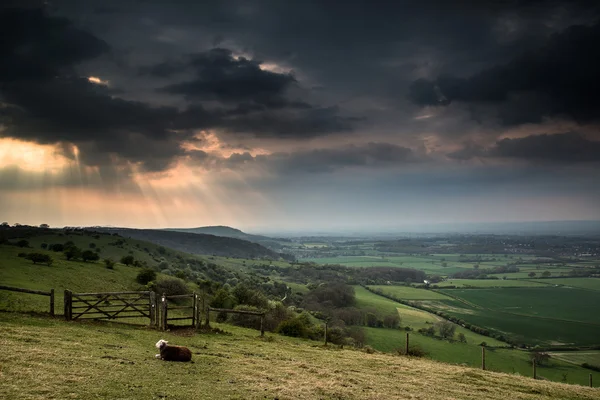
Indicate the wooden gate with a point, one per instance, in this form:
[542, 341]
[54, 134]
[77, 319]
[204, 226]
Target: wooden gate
[190, 313]
[111, 305]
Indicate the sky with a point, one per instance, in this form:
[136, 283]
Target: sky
[298, 115]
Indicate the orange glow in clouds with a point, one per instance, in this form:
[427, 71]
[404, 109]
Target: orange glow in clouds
[31, 156]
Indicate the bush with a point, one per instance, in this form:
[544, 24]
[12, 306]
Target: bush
[145, 276]
[296, 327]
[414, 351]
[369, 350]
[127, 260]
[170, 286]
[89, 255]
[44, 246]
[590, 366]
[245, 320]
[22, 255]
[446, 329]
[40, 258]
[391, 320]
[72, 253]
[462, 338]
[110, 264]
[23, 243]
[58, 247]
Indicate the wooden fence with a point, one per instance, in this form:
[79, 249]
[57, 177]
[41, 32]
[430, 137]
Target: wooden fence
[165, 307]
[40, 292]
[110, 305]
[227, 310]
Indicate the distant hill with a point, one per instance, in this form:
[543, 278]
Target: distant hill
[224, 231]
[274, 244]
[197, 243]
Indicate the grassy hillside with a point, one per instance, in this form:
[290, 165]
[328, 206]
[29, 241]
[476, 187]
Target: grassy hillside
[76, 360]
[198, 243]
[77, 276]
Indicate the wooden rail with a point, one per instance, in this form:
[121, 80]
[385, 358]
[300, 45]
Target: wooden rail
[50, 294]
[111, 305]
[165, 307]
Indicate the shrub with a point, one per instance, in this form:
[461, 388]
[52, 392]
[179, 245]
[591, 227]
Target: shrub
[368, 349]
[296, 327]
[72, 253]
[462, 338]
[22, 255]
[110, 264]
[58, 247]
[127, 260]
[145, 276]
[391, 320]
[414, 351]
[170, 286]
[245, 320]
[89, 255]
[44, 246]
[23, 243]
[446, 329]
[590, 366]
[40, 258]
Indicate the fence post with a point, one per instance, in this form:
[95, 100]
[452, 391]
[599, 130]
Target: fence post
[262, 325]
[406, 347]
[483, 358]
[591, 385]
[326, 322]
[534, 370]
[164, 316]
[194, 310]
[52, 302]
[67, 305]
[151, 310]
[207, 322]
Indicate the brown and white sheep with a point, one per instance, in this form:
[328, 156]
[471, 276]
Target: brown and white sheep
[172, 353]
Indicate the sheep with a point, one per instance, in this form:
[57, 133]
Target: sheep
[172, 353]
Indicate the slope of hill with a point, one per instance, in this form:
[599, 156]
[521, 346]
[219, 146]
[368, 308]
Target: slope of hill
[221, 230]
[226, 231]
[197, 243]
[112, 361]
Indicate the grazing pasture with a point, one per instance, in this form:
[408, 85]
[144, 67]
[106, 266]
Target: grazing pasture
[92, 360]
[410, 293]
[583, 283]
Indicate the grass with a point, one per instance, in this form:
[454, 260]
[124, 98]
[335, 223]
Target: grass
[559, 303]
[490, 283]
[64, 360]
[584, 283]
[548, 316]
[578, 357]
[409, 293]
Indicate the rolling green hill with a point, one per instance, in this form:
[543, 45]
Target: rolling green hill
[198, 243]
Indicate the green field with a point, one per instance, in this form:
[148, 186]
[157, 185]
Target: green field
[584, 283]
[549, 316]
[490, 283]
[501, 360]
[63, 360]
[578, 357]
[409, 293]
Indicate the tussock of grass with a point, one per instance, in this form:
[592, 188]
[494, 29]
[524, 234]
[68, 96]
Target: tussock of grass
[45, 358]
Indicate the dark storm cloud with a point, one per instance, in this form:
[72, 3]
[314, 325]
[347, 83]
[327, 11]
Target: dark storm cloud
[36, 47]
[558, 79]
[43, 99]
[376, 155]
[220, 76]
[564, 148]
